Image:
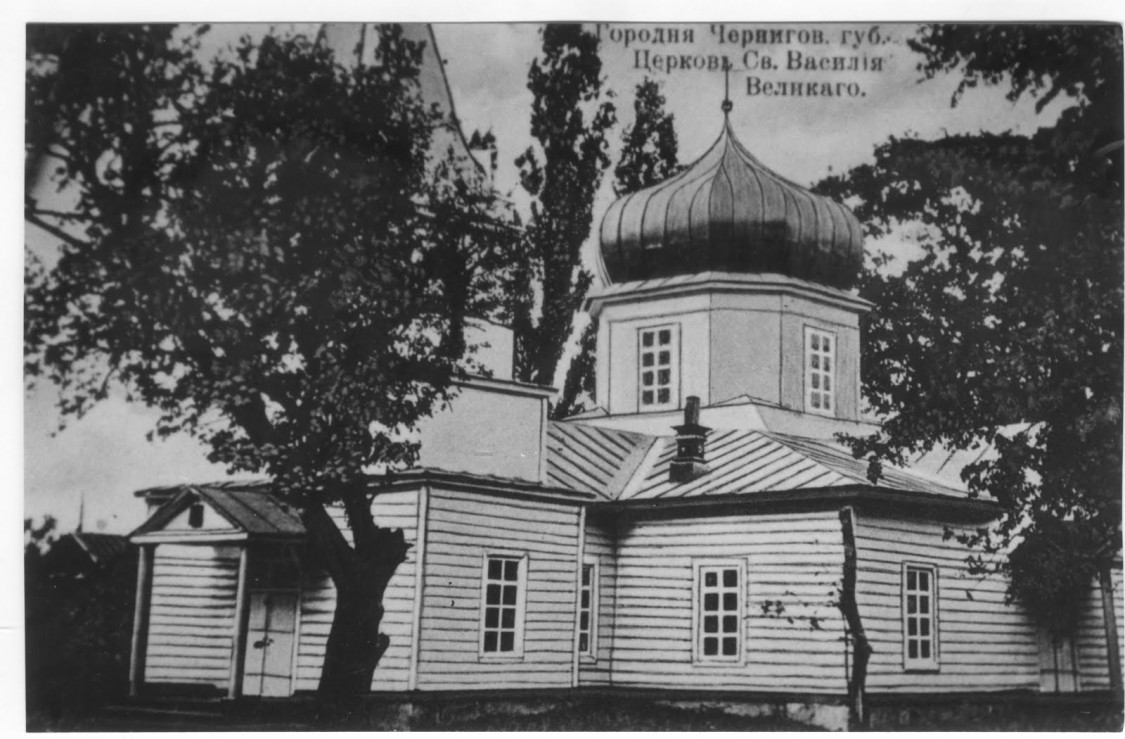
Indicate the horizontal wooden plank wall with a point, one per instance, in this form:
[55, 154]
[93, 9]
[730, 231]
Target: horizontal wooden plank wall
[792, 559]
[983, 643]
[461, 528]
[600, 548]
[1093, 660]
[318, 602]
[192, 618]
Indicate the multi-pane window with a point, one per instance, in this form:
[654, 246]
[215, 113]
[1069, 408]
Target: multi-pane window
[919, 613]
[820, 371]
[658, 367]
[587, 610]
[719, 615]
[502, 625]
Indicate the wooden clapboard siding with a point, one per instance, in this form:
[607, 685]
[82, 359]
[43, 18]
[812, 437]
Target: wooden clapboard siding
[318, 602]
[461, 528]
[601, 548]
[792, 559]
[983, 644]
[191, 622]
[1091, 642]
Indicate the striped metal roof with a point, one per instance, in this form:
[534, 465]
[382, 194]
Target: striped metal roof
[893, 478]
[728, 211]
[102, 548]
[592, 459]
[258, 513]
[621, 465]
[739, 462]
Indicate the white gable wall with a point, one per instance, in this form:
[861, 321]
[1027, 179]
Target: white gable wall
[490, 428]
[212, 521]
[462, 528]
[191, 621]
[794, 559]
[983, 643]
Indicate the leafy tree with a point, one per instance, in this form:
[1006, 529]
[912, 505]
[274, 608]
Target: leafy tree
[569, 121]
[1007, 330]
[651, 152]
[649, 155]
[264, 251]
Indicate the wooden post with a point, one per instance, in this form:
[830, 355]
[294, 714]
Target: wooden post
[1105, 576]
[140, 619]
[857, 680]
[419, 586]
[241, 618]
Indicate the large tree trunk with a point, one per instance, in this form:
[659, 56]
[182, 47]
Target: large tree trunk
[861, 647]
[360, 574]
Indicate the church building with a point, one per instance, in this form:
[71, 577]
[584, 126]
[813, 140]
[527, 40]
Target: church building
[702, 532]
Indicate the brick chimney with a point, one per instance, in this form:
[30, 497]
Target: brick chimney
[690, 461]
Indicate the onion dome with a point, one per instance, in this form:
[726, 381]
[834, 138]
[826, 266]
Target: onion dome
[728, 212]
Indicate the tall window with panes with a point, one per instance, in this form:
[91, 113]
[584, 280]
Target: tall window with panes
[919, 612]
[820, 369]
[658, 368]
[501, 629]
[719, 617]
[586, 610]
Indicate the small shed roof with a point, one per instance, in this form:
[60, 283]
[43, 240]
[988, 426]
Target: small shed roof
[101, 548]
[254, 512]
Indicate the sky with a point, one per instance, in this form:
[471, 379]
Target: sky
[105, 456]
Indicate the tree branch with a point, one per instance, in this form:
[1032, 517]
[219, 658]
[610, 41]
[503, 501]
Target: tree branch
[55, 231]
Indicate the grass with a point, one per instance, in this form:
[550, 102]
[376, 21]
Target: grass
[616, 715]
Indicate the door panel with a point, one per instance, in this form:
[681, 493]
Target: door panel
[269, 643]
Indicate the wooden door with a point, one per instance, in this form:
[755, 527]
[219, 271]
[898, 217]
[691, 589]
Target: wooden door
[1058, 664]
[269, 643]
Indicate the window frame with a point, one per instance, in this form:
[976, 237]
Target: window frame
[673, 367]
[933, 662]
[521, 606]
[808, 371]
[590, 654]
[699, 568]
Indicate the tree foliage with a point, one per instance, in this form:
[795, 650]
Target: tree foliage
[266, 250]
[1051, 575]
[650, 151]
[649, 155]
[569, 121]
[1006, 330]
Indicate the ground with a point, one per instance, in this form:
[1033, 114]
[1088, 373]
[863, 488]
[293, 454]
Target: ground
[589, 713]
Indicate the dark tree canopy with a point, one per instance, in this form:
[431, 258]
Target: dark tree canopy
[1007, 329]
[266, 250]
[569, 121]
[650, 152]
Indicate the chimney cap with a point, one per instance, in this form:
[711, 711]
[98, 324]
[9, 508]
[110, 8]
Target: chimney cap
[691, 423]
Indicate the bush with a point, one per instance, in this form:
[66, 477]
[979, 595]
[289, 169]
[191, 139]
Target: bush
[1051, 577]
[78, 628]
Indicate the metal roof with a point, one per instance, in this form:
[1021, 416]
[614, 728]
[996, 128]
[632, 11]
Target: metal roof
[257, 513]
[728, 211]
[627, 466]
[592, 459]
[102, 548]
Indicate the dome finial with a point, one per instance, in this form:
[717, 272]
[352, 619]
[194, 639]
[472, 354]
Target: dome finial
[727, 104]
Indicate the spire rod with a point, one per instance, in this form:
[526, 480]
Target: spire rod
[727, 105]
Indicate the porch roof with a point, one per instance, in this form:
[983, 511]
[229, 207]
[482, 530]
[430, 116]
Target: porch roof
[253, 513]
